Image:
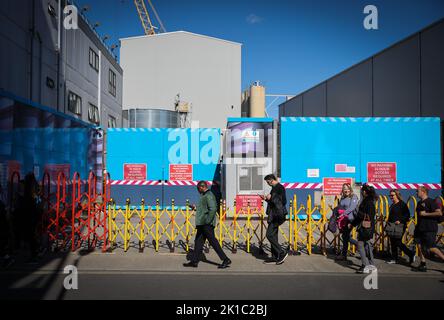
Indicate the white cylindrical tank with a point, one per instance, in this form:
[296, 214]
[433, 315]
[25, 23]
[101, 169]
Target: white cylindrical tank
[257, 101]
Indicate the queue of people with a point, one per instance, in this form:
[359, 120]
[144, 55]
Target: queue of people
[350, 214]
[20, 217]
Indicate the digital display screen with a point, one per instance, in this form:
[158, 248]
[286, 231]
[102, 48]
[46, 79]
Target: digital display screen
[249, 139]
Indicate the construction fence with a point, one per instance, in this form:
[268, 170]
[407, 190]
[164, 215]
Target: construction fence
[77, 215]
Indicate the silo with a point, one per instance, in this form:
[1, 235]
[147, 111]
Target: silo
[153, 118]
[257, 101]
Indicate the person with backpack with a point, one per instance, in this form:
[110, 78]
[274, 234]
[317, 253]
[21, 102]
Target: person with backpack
[365, 224]
[344, 214]
[276, 212]
[428, 215]
[399, 216]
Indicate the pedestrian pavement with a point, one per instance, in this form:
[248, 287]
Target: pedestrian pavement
[150, 261]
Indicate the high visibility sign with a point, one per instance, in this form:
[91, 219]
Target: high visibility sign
[242, 202]
[134, 171]
[181, 172]
[381, 172]
[333, 186]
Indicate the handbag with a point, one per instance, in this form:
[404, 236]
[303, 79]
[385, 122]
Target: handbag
[333, 224]
[394, 230]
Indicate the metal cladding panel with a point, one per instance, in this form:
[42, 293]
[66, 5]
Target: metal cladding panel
[324, 142]
[413, 143]
[141, 146]
[317, 143]
[350, 93]
[158, 148]
[293, 107]
[203, 151]
[136, 193]
[314, 102]
[432, 71]
[397, 80]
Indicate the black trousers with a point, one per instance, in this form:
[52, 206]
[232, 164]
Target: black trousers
[346, 235]
[206, 232]
[397, 244]
[273, 238]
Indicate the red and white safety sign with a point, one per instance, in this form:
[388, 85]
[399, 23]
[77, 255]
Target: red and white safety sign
[181, 172]
[333, 186]
[134, 171]
[243, 201]
[381, 172]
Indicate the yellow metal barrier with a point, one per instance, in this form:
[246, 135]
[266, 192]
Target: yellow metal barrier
[305, 227]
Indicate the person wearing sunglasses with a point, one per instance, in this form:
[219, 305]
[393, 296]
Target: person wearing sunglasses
[399, 216]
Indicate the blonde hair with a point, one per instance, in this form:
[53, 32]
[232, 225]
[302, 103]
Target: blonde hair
[349, 187]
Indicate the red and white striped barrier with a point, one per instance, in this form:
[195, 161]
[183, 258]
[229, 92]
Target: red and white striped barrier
[302, 185]
[154, 183]
[406, 186]
[379, 186]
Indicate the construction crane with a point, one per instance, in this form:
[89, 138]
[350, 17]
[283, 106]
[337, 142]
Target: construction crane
[144, 17]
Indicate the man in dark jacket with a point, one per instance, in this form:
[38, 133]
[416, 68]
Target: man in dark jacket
[205, 223]
[427, 213]
[276, 212]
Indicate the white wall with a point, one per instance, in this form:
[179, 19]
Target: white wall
[205, 71]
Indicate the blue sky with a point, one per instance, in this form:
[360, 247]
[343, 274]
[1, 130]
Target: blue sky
[289, 46]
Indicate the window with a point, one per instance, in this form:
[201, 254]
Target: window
[74, 103]
[112, 83]
[250, 178]
[93, 114]
[93, 59]
[111, 122]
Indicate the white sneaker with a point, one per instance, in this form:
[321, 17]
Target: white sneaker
[391, 262]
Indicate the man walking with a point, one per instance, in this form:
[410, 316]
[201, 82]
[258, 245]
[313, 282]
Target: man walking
[426, 229]
[205, 223]
[276, 211]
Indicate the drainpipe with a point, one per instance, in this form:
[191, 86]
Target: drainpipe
[31, 62]
[99, 89]
[39, 38]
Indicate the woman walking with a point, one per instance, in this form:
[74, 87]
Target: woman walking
[399, 216]
[346, 210]
[365, 223]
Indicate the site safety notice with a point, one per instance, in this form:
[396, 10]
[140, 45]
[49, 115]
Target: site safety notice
[381, 172]
[134, 171]
[181, 172]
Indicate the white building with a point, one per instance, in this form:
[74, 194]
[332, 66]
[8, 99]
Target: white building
[64, 77]
[204, 71]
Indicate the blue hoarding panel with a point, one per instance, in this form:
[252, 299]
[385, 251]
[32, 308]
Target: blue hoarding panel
[321, 143]
[159, 148]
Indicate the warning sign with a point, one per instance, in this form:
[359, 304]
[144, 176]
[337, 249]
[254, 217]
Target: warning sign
[333, 186]
[242, 202]
[181, 172]
[54, 170]
[381, 172]
[134, 171]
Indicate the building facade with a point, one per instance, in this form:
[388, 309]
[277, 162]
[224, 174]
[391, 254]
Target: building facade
[405, 80]
[60, 70]
[203, 72]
